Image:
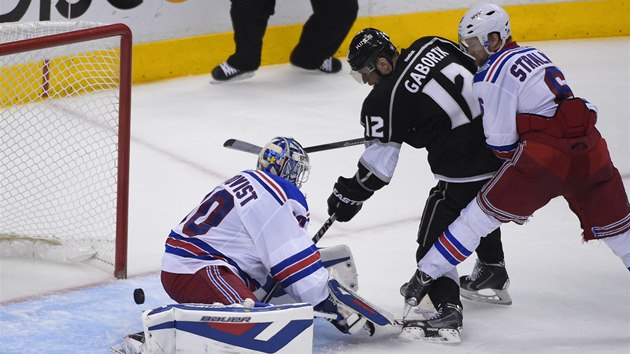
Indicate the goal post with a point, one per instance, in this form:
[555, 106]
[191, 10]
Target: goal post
[65, 102]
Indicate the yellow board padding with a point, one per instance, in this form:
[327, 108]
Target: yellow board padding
[537, 22]
[199, 54]
[20, 83]
[59, 77]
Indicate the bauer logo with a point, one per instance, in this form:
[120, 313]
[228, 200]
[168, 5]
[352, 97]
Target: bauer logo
[225, 319]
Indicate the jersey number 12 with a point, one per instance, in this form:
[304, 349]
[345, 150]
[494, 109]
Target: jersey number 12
[451, 89]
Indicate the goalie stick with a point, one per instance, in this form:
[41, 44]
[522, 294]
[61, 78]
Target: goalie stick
[244, 146]
[320, 233]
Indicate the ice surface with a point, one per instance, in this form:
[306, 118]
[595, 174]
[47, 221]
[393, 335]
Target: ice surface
[568, 297]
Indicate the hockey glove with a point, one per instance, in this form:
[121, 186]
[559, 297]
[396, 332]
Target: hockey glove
[347, 321]
[347, 199]
[415, 290]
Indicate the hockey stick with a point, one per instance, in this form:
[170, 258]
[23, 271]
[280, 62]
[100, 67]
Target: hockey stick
[318, 236]
[242, 146]
[255, 149]
[335, 145]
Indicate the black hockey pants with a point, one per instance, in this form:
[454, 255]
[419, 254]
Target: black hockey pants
[446, 200]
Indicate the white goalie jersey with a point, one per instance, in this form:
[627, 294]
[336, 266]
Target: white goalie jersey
[255, 224]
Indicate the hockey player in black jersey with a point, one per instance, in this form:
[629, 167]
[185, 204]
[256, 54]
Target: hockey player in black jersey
[422, 96]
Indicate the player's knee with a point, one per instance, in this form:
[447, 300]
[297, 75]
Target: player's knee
[620, 245]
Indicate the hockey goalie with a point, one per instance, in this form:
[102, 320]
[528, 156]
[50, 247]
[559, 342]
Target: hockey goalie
[251, 327]
[248, 233]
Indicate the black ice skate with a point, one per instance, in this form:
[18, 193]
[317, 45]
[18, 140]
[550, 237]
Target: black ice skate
[488, 283]
[330, 66]
[444, 326]
[225, 72]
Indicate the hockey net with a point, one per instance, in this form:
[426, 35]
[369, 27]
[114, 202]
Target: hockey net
[64, 141]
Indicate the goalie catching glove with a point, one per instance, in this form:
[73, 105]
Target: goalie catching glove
[346, 321]
[347, 199]
[352, 312]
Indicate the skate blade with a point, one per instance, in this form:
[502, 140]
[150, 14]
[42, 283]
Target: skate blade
[130, 344]
[489, 296]
[441, 336]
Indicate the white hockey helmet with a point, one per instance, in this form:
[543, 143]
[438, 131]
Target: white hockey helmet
[482, 20]
[285, 157]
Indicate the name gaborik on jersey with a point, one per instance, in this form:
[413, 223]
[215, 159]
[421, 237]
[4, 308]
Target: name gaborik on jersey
[428, 61]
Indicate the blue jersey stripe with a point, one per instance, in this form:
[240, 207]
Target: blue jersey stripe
[446, 254]
[505, 60]
[503, 147]
[273, 193]
[210, 254]
[293, 259]
[301, 274]
[291, 191]
[481, 76]
[463, 250]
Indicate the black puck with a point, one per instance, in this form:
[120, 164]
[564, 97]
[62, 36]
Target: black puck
[138, 296]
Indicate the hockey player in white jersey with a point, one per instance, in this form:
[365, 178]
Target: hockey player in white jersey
[549, 141]
[249, 227]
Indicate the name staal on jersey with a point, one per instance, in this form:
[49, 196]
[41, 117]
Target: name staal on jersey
[518, 80]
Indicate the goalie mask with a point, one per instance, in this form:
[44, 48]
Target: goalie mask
[482, 20]
[285, 157]
[366, 47]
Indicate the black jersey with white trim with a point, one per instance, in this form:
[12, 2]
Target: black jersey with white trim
[427, 102]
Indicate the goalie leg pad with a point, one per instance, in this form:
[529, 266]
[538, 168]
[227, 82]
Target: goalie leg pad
[350, 300]
[338, 259]
[217, 328]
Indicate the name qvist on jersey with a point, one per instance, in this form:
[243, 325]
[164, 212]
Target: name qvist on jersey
[242, 189]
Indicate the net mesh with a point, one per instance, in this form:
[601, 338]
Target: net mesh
[59, 138]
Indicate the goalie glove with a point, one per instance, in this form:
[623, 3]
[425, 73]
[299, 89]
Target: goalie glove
[347, 321]
[346, 199]
[353, 312]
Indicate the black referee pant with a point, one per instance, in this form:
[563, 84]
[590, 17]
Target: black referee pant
[321, 36]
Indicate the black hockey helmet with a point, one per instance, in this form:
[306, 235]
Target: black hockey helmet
[367, 46]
